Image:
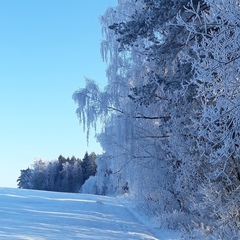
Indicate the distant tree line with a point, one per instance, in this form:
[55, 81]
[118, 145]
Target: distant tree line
[61, 175]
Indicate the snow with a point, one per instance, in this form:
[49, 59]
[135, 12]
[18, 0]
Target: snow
[39, 215]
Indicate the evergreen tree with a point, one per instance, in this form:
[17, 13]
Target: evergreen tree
[88, 165]
[24, 181]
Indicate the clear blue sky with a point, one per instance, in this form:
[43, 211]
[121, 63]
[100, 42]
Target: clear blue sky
[47, 48]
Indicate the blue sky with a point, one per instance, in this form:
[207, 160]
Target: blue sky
[47, 48]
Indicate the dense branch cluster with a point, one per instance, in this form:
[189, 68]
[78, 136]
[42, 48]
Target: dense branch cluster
[171, 112]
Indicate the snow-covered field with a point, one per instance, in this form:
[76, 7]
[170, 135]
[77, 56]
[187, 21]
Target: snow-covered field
[38, 215]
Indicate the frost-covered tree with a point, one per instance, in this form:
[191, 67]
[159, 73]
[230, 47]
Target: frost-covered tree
[39, 175]
[24, 181]
[215, 61]
[170, 111]
[142, 106]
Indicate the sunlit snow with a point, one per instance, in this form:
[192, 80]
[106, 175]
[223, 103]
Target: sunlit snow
[28, 214]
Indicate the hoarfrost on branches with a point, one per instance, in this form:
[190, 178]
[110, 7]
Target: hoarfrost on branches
[170, 112]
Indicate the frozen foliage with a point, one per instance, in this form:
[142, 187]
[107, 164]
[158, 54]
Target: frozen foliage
[92, 105]
[171, 112]
[215, 61]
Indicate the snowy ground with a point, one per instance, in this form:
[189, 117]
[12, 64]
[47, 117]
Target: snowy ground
[38, 215]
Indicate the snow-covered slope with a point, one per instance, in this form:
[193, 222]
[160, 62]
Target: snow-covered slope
[28, 214]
